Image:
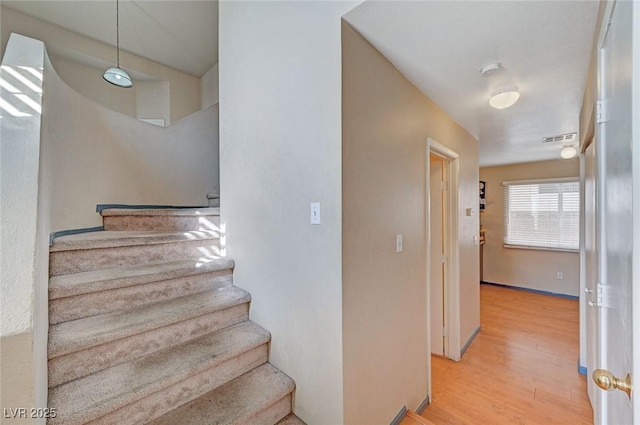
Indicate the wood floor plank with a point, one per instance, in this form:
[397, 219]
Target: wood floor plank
[521, 369]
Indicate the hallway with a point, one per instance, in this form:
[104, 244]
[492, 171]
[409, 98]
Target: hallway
[521, 369]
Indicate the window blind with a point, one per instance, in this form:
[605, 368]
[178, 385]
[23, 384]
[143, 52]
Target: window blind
[542, 214]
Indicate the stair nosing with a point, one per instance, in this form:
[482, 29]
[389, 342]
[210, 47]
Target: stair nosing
[88, 241]
[91, 281]
[127, 395]
[59, 348]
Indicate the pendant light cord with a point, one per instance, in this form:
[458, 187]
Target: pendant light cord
[117, 34]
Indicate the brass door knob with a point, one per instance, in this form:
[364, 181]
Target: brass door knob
[608, 382]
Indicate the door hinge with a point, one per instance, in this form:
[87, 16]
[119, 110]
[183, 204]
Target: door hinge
[604, 295]
[601, 111]
[444, 185]
[444, 332]
[444, 259]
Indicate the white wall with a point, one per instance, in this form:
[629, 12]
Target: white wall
[280, 134]
[533, 269]
[209, 93]
[98, 156]
[23, 249]
[64, 45]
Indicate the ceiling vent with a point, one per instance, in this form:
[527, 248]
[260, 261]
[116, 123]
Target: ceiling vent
[562, 138]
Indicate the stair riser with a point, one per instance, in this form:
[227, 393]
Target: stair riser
[84, 362]
[269, 415]
[76, 261]
[161, 402]
[79, 306]
[162, 222]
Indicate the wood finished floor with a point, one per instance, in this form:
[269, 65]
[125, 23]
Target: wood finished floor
[521, 368]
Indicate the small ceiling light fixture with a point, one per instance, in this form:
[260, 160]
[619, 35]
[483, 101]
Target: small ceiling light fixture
[568, 152]
[117, 76]
[504, 98]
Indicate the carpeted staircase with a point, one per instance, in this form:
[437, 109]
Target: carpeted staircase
[146, 326]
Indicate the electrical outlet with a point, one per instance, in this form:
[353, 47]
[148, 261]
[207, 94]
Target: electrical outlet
[560, 276]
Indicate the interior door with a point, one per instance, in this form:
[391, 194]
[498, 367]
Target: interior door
[615, 169]
[436, 274]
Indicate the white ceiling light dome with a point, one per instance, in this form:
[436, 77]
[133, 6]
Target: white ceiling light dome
[504, 98]
[568, 152]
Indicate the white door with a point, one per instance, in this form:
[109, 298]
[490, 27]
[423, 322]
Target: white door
[436, 269]
[617, 169]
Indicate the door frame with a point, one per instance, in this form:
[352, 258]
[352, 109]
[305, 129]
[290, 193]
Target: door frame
[600, 408]
[452, 273]
[635, 141]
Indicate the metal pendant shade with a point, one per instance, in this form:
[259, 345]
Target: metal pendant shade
[117, 76]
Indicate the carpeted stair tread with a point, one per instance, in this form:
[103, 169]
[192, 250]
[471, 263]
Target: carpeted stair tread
[236, 402]
[291, 420]
[204, 211]
[113, 239]
[96, 395]
[76, 335]
[101, 280]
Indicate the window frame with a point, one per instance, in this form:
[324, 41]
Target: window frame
[506, 185]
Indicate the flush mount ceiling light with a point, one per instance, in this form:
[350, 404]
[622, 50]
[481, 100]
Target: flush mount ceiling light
[117, 76]
[568, 152]
[504, 98]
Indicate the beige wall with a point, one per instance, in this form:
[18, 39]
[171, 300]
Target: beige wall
[386, 121]
[55, 168]
[63, 45]
[534, 269]
[98, 156]
[88, 81]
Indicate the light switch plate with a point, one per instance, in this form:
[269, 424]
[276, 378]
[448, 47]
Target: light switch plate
[315, 213]
[399, 243]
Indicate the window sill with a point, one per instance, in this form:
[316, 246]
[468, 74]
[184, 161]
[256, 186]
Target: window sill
[541, 248]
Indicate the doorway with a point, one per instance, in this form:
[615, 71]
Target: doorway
[443, 291]
[438, 230]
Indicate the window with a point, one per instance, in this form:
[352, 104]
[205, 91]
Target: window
[542, 214]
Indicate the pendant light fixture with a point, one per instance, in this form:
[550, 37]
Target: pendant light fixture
[117, 76]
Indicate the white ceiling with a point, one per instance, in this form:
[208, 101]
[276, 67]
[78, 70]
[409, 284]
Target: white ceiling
[440, 46]
[179, 34]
